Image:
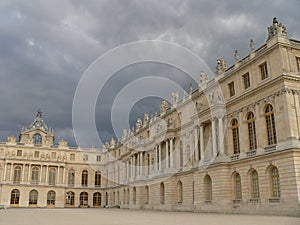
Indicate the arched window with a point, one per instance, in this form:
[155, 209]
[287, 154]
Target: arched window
[179, 192]
[114, 198]
[235, 136]
[128, 196]
[33, 198]
[134, 195]
[84, 178]
[97, 200]
[84, 199]
[37, 139]
[124, 196]
[207, 188]
[147, 195]
[275, 183]
[52, 176]
[71, 178]
[51, 199]
[97, 179]
[70, 199]
[251, 131]
[162, 193]
[237, 186]
[15, 197]
[254, 185]
[34, 175]
[17, 174]
[270, 123]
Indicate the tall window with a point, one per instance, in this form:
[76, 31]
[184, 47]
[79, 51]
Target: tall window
[51, 199]
[124, 196]
[97, 200]
[128, 196]
[15, 197]
[270, 122]
[17, 174]
[162, 193]
[52, 176]
[254, 185]
[235, 136]
[84, 199]
[147, 195]
[72, 157]
[37, 139]
[264, 71]
[70, 198]
[134, 195]
[298, 63]
[231, 89]
[207, 188]
[275, 183]
[84, 178]
[251, 131]
[98, 158]
[71, 178]
[237, 186]
[19, 152]
[97, 179]
[246, 80]
[179, 192]
[33, 197]
[34, 175]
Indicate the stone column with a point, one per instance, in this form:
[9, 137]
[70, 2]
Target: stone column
[141, 163]
[29, 171]
[41, 174]
[159, 157]
[221, 135]
[47, 169]
[5, 169]
[11, 172]
[196, 144]
[137, 165]
[57, 179]
[131, 167]
[214, 138]
[23, 173]
[201, 142]
[167, 154]
[171, 153]
[64, 174]
[127, 170]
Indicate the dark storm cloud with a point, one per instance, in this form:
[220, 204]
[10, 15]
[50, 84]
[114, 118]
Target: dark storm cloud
[45, 46]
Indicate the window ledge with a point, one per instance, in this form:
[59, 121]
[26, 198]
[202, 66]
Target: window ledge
[251, 153]
[235, 157]
[254, 200]
[274, 200]
[270, 148]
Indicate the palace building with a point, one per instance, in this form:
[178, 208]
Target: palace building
[230, 146]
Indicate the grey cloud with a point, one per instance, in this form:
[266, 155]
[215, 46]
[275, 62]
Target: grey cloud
[45, 46]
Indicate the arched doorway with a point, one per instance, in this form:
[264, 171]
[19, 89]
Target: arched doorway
[97, 200]
[84, 200]
[51, 199]
[15, 198]
[70, 199]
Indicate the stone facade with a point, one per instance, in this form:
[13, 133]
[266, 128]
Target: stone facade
[230, 146]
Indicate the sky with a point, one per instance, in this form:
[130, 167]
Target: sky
[46, 47]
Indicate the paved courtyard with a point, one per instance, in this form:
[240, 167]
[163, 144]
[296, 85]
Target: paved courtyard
[131, 217]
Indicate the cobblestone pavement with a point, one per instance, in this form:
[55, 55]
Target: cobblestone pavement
[132, 217]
